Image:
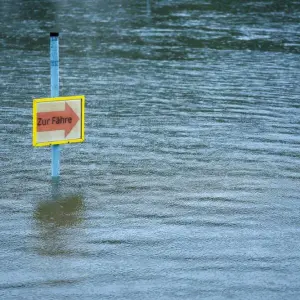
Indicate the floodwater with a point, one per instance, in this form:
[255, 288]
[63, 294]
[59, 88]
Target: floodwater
[187, 186]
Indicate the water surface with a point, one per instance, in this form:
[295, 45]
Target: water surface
[187, 186]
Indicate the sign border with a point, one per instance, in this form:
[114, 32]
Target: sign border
[54, 99]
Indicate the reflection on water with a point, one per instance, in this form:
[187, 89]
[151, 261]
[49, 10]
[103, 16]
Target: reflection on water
[53, 218]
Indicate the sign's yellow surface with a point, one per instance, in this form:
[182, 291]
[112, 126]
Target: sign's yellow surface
[58, 120]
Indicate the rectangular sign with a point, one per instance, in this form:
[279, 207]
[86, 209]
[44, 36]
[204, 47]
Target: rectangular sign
[58, 120]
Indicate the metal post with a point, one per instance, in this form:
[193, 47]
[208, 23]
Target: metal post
[54, 67]
[149, 7]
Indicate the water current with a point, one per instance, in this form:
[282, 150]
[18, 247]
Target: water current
[187, 185]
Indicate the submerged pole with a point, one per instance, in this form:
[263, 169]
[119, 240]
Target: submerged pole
[148, 7]
[54, 71]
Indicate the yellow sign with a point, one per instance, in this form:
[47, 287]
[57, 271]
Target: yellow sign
[58, 120]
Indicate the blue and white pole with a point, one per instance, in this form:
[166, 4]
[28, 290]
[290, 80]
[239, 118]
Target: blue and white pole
[54, 71]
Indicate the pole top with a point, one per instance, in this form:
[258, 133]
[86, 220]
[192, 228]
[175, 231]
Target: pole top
[54, 34]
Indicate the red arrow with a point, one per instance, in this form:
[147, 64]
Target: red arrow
[57, 120]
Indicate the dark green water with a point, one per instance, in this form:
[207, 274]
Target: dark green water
[187, 186]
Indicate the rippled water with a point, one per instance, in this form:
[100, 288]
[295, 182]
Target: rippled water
[187, 186]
